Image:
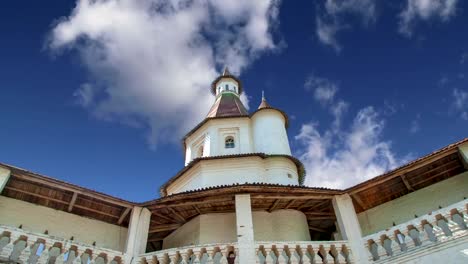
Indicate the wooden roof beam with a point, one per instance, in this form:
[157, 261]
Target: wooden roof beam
[419, 163]
[163, 217]
[275, 204]
[123, 215]
[318, 205]
[406, 182]
[326, 217]
[289, 204]
[196, 209]
[162, 228]
[65, 187]
[359, 201]
[72, 202]
[45, 197]
[190, 203]
[318, 229]
[177, 215]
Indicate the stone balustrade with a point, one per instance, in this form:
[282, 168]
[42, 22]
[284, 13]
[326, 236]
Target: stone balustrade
[209, 253]
[19, 246]
[442, 226]
[296, 252]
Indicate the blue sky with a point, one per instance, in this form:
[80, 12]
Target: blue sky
[99, 93]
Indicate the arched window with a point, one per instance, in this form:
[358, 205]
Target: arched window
[200, 151]
[229, 142]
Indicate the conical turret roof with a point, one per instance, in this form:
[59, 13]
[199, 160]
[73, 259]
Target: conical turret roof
[264, 103]
[227, 104]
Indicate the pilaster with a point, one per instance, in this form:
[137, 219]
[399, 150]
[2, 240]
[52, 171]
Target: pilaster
[4, 176]
[463, 151]
[138, 229]
[245, 231]
[349, 227]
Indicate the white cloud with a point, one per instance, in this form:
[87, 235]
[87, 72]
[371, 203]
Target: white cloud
[325, 93]
[85, 94]
[340, 159]
[324, 90]
[152, 61]
[415, 126]
[460, 99]
[425, 10]
[329, 19]
[464, 58]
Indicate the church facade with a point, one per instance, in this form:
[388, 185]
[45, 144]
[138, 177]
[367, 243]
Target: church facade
[240, 199]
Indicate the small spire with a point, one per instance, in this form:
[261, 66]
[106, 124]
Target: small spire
[226, 71]
[264, 103]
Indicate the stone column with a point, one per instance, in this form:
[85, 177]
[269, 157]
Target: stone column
[463, 150]
[348, 224]
[245, 231]
[138, 229]
[4, 176]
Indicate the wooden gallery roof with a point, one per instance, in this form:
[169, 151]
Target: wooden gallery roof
[170, 212]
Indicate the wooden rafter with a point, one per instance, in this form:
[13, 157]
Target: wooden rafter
[404, 170]
[190, 203]
[196, 209]
[319, 214]
[318, 229]
[36, 195]
[177, 215]
[65, 187]
[318, 205]
[326, 217]
[406, 182]
[436, 175]
[359, 201]
[60, 201]
[123, 215]
[162, 217]
[161, 228]
[275, 204]
[289, 204]
[72, 202]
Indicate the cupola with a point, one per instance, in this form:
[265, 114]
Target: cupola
[227, 89]
[226, 83]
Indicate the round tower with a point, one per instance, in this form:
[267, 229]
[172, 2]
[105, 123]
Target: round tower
[269, 130]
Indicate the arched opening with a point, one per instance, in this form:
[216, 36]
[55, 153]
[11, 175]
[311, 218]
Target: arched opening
[200, 151]
[229, 142]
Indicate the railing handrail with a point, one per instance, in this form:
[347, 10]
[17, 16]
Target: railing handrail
[445, 211]
[65, 241]
[183, 248]
[443, 225]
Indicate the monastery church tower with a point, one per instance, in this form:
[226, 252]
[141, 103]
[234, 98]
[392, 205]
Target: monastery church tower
[231, 146]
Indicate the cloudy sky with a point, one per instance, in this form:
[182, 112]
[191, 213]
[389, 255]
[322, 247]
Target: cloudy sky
[99, 93]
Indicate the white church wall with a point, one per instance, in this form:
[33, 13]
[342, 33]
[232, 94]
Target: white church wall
[190, 181]
[37, 218]
[218, 228]
[280, 225]
[419, 202]
[208, 173]
[281, 170]
[186, 235]
[214, 131]
[269, 132]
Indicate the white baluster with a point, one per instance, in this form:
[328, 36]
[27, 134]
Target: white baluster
[26, 253]
[295, 257]
[282, 256]
[44, 256]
